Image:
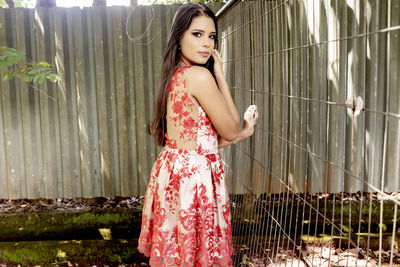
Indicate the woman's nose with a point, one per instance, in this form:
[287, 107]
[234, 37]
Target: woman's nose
[207, 43]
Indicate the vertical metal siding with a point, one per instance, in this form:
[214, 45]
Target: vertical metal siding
[87, 135]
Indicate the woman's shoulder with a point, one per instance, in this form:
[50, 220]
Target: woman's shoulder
[199, 74]
[201, 82]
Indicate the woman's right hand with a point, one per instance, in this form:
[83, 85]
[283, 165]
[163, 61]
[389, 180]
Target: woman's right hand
[250, 118]
[218, 70]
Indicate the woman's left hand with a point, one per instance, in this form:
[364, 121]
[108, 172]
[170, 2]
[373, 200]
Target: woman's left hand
[218, 70]
[250, 118]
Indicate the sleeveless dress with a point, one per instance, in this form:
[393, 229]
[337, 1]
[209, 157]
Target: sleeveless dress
[186, 213]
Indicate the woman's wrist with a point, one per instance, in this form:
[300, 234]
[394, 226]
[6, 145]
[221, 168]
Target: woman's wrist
[219, 76]
[244, 133]
[222, 83]
[249, 129]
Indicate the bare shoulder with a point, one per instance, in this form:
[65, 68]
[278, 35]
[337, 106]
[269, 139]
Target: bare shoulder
[200, 79]
[200, 74]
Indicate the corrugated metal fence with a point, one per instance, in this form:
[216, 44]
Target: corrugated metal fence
[87, 135]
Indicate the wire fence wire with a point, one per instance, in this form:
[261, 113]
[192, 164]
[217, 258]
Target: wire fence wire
[318, 183]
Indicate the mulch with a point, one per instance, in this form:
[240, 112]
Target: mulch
[24, 206]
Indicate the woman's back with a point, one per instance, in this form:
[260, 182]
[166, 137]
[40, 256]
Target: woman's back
[188, 127]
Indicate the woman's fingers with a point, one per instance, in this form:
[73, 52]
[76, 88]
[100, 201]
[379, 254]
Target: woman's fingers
[255, 114]
[217, 63]
[217, 55]
[251, 115]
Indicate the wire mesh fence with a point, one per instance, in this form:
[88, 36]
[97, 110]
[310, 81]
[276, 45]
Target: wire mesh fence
[318, 183]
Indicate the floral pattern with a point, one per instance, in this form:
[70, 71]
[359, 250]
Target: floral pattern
[181, 111]
[186, 215]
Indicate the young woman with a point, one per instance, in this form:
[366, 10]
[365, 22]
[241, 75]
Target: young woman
[186, 213]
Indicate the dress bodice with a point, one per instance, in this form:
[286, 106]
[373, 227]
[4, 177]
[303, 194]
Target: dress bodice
[188, 126]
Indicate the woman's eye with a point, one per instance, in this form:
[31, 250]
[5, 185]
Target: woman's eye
[213, 37]
[197, 34]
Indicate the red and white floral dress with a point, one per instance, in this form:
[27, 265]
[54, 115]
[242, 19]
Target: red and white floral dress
[186, 214]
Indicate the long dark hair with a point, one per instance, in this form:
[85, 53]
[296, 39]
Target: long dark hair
[180, 24]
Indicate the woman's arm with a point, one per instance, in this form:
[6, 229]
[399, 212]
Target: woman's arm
[251, 114]
[223, 85]
[218, 105]
[250, 119]
[202, 85]
[243, 134]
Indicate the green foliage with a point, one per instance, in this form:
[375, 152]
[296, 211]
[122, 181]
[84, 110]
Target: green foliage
[183, 1]
[35, 72]
[246, 261]
[70, 252]
[18, 3]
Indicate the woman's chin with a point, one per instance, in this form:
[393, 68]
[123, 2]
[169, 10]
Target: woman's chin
[202, 61]
[199, 62]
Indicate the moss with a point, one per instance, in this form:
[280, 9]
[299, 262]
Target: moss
[82, 252]
[26, 254]
[304, 218]
[99, 219]
[345, 228]
[320, 238]
[68, 218]
[73, 225]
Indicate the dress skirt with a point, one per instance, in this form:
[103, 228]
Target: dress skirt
[186, 214]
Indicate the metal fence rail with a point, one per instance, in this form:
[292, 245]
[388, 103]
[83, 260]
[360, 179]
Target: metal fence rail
[318, 182]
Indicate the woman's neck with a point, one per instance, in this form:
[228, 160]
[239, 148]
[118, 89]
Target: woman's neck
[183, 62]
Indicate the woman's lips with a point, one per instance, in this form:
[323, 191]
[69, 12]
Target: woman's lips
[204, 54]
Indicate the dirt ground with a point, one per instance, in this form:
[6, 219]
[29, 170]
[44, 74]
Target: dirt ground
[23, 206]
[312, 254]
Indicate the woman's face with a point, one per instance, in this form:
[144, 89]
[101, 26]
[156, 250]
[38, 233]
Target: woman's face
[198, 42]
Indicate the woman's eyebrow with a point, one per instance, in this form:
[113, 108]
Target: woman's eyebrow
[201, 31]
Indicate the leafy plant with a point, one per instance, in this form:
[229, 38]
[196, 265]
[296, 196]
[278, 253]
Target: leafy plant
[183, 1]
[246, 261]
[35, 72]
[18, 3]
